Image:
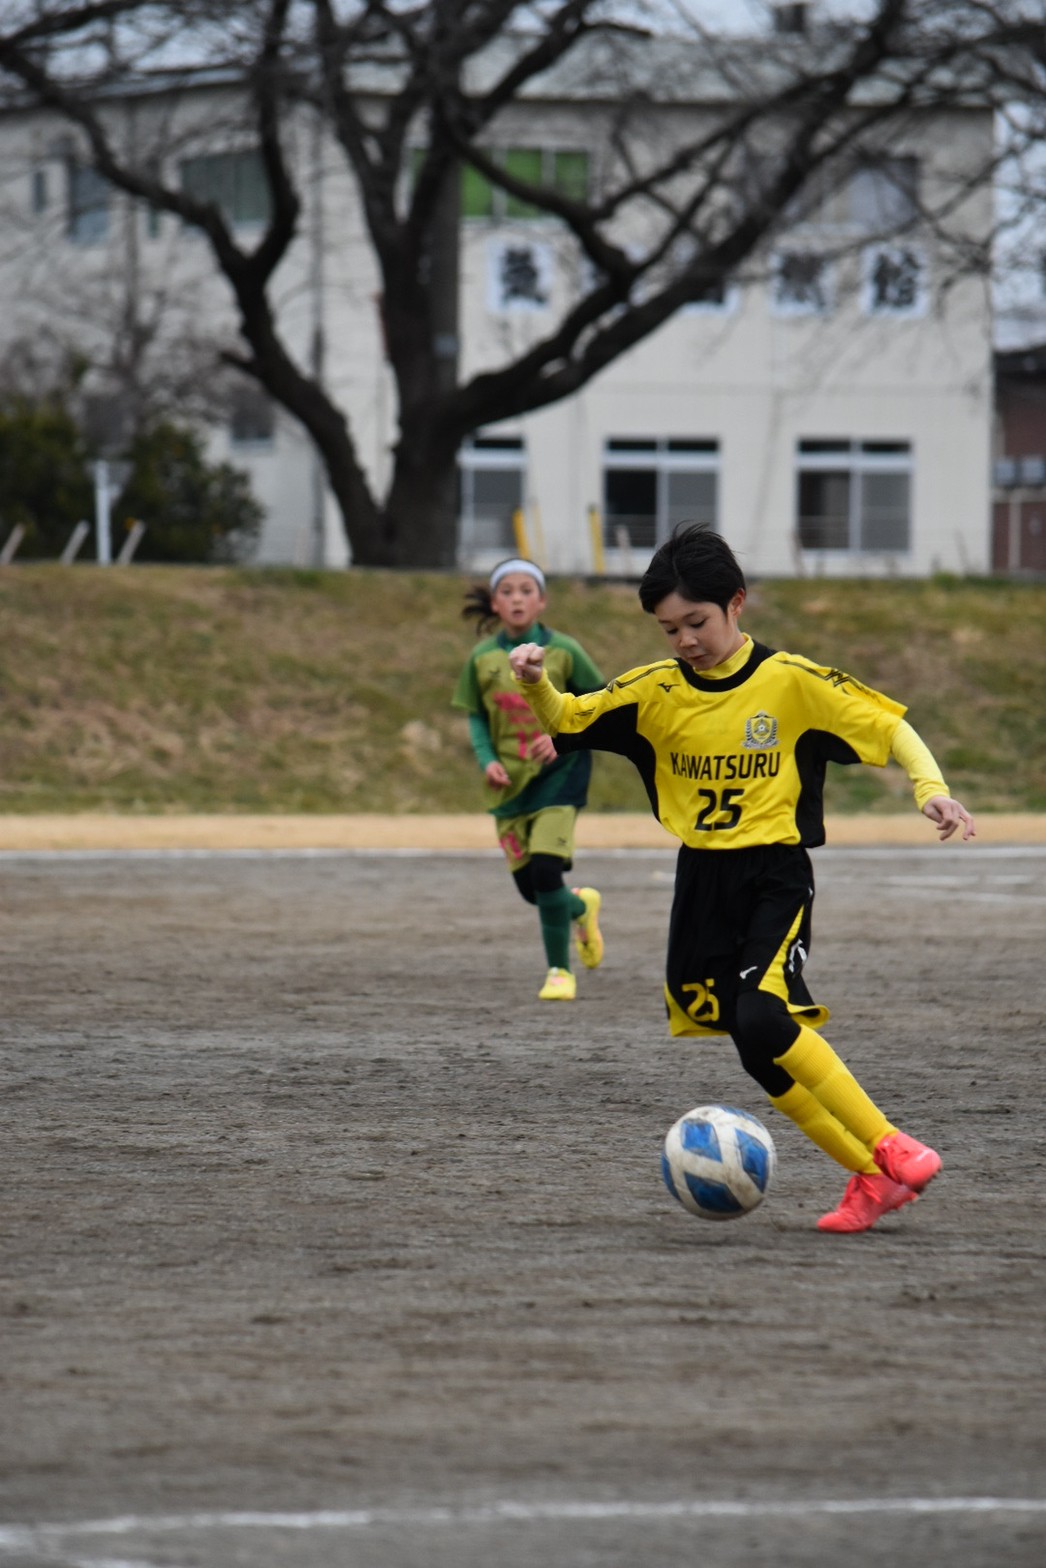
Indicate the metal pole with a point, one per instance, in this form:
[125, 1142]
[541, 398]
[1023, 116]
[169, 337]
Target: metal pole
[519, 530]
[102, 513]
[319, 336]
[595, 534]
[1013, 542]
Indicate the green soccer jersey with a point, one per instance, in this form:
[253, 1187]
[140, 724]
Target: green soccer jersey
[487, 687]
[737, 760]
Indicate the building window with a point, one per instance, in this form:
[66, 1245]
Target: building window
[1025, 473]
[39, 190]
[492, 473]
[854, 495]
[252, 417]
[520, 273]
[802, 283]
[233, 181]
[894, 281]
[1033, 472]
[650, 485]
[88, 204]
[558, 170]
[884, 194]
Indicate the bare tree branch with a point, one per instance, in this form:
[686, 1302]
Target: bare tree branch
[701, 151]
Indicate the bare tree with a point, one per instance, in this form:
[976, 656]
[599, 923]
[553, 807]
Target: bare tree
[706, 146]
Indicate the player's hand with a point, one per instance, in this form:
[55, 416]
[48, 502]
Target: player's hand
[527, 661]
[949, 815]
[543, 748]
[496, 775]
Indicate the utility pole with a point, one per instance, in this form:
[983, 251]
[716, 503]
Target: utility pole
[318, 344]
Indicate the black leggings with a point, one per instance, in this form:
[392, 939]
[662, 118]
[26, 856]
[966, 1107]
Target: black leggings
[541, 874]
[763, 1031]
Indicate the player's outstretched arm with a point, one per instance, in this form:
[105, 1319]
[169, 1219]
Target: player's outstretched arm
[931, 792]
[528, 662]
[949, 815]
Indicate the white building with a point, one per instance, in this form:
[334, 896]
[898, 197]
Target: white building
[830, 413]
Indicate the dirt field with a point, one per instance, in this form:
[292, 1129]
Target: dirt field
[326, 1246]
[596, 830]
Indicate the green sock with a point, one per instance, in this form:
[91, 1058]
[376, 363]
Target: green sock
[555, 910]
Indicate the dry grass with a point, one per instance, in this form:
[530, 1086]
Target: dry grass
[219, 690]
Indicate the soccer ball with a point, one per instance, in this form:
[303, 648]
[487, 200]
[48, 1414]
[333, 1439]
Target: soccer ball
[718, 1162]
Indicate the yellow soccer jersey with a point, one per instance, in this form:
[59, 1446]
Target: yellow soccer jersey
[735, 761]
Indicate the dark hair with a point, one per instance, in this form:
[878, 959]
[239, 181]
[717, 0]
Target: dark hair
[478, 604]
[696, 563]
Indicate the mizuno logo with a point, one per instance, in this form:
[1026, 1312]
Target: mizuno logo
[666, 685]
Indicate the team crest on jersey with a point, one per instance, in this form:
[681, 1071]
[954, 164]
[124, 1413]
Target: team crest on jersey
[760, 732]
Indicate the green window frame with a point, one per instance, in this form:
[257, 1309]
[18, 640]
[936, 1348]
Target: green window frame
[561, 169]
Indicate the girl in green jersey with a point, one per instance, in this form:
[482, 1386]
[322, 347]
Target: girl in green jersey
[534, 793]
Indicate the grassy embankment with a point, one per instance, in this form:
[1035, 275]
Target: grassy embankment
[152, 689]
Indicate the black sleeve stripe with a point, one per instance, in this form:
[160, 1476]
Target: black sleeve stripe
[813, 751]
[616, 731]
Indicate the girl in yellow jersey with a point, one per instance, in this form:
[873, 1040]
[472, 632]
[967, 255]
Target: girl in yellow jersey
[731, 740]
[535, 794]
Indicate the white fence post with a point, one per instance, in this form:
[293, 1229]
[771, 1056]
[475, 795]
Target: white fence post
[11, 544]
[76, 539]
[130, 544]
[623, 540]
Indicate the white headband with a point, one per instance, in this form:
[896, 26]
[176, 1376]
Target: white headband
[517, 564]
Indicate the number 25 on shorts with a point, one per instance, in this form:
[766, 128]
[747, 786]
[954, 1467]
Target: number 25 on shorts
[704, 1009]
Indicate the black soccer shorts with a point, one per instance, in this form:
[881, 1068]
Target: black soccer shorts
[741, 920]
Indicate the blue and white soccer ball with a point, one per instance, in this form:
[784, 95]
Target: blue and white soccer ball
[718, 1162]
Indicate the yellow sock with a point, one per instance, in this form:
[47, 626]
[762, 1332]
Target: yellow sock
[812, 1063]
[822, 1128]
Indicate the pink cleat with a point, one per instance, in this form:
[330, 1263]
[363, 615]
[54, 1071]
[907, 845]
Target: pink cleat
[907, 1161]
[866, 1199]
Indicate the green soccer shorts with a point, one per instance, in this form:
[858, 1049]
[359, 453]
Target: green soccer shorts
[546, 832]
